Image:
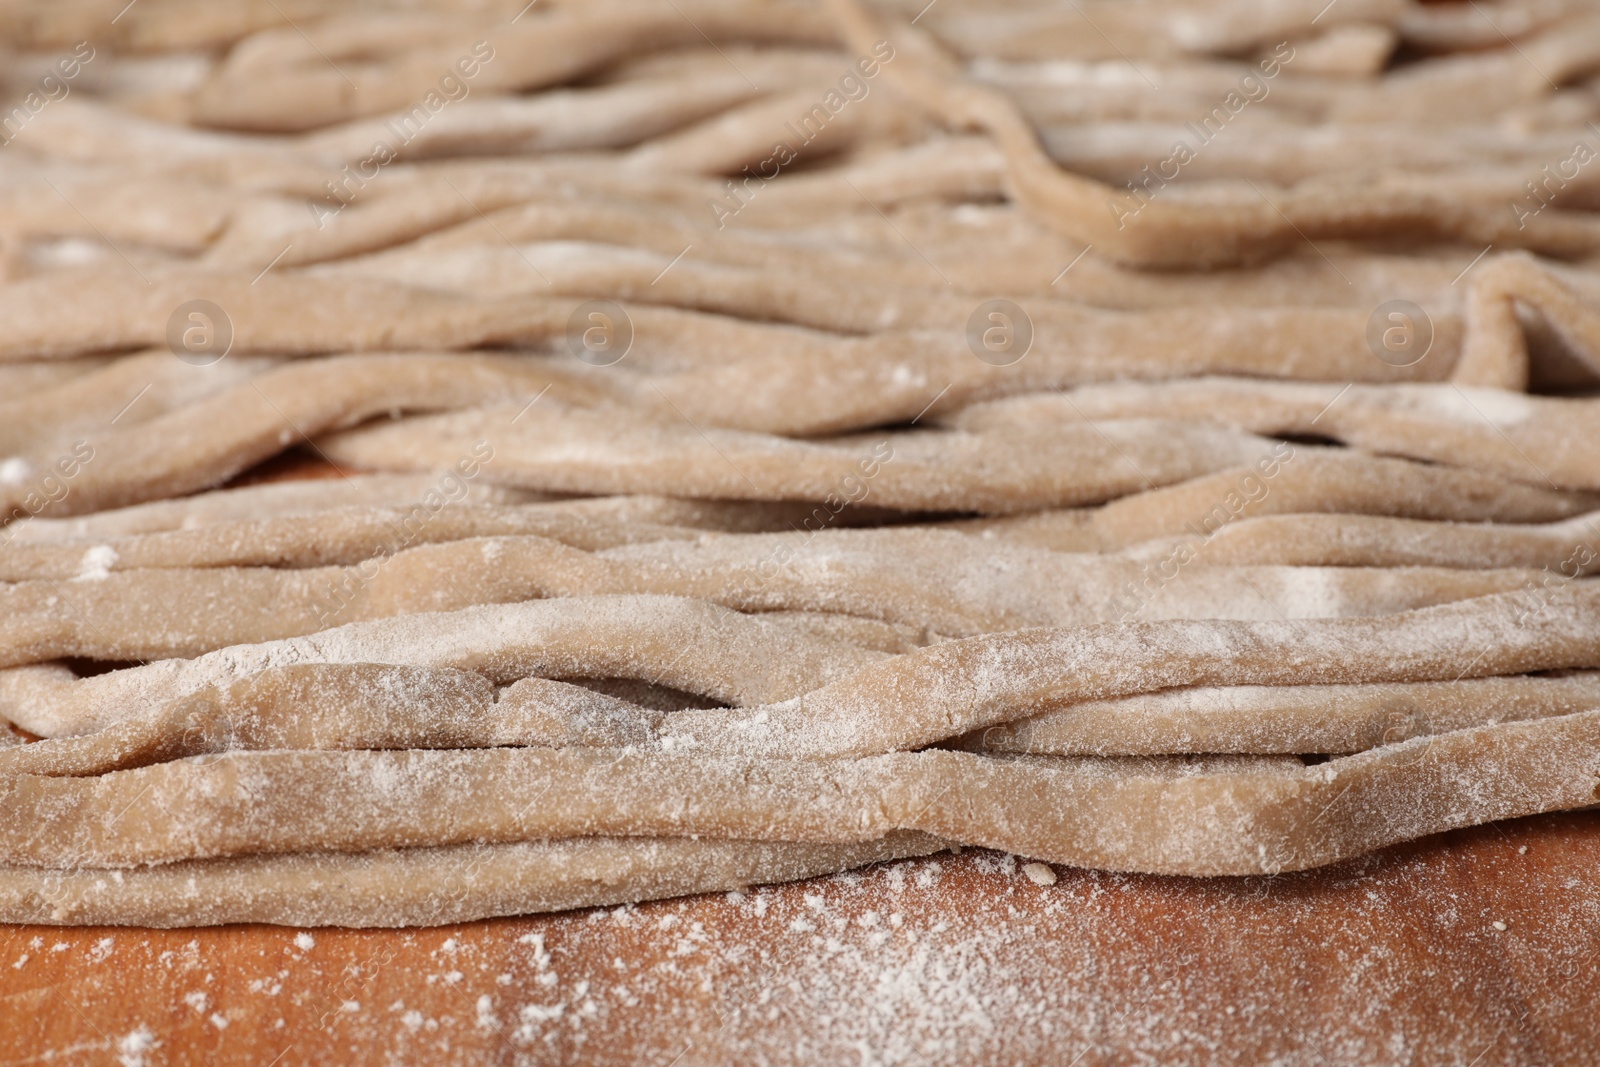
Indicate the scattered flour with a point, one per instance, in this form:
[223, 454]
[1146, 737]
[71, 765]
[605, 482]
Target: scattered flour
[96, 565]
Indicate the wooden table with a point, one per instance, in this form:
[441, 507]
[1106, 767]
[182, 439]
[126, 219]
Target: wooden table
[954, 959]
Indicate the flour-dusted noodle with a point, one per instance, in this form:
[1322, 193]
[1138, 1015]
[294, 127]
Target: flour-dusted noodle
[589, 452]
[933, 581]
[424, 887]
[1549, 441]
[1220, 815]
[1568, 549]
[1303, 481]
[961, 686]
[1290, 718]
[684, 644]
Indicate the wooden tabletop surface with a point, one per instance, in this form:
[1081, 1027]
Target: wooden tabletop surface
[1397, 958]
